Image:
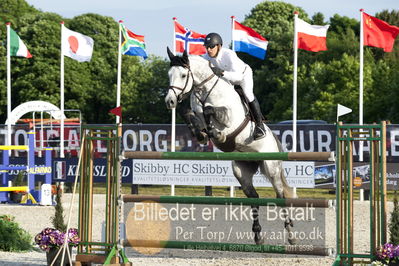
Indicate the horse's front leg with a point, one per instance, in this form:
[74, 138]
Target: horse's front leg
[244, 171]
[209, 112]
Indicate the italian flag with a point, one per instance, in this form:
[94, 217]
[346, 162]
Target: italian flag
[17, 47]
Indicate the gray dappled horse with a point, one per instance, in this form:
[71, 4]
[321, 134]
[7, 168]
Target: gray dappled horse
[218, 106]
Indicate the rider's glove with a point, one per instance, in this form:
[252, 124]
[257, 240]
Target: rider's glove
[217, 71]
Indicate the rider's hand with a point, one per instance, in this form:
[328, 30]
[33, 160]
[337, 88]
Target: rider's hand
[217, 71]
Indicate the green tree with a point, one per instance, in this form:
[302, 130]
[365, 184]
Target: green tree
[13, 10]
[324, 78]
[89, 86]
[394, 223]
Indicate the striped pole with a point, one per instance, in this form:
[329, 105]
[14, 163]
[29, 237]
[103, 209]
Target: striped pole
[190, 245]
[315, 203]
[247, 156]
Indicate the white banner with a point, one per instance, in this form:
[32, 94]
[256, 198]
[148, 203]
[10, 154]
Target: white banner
[212, 173]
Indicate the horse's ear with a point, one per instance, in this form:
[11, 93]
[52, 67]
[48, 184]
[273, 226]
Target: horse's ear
[185, 58]
[170, 54]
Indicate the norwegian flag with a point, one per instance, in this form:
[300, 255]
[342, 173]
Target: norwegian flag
[189, 40]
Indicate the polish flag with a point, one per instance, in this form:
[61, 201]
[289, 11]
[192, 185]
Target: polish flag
[76, 45]
[311, 37]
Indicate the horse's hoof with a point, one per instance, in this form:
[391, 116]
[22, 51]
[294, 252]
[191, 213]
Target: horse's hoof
[292, 241]
[288, 225]
[221, 138]
[259, 240]
[202, 138]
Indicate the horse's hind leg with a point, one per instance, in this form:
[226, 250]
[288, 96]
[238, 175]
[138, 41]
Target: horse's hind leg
[244, 171]
[274, 171]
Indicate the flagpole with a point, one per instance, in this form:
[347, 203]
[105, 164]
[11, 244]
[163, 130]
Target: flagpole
[294, 96]
[361, 82]
[119, 75]
[173, 136]
[232, 32]
[62, 94]
[8, 87]
[361, 70]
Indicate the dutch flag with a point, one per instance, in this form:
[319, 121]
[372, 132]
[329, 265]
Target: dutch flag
[248, 41]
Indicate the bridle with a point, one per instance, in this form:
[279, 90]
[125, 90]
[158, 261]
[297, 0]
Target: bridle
[190, 73]
[172, 87]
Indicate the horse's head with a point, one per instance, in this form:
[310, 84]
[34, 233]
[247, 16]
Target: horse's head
[180, 79]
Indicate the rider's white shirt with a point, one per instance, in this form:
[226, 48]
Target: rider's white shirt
[230, 63]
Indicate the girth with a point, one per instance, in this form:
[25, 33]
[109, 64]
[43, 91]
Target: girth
[230, 144]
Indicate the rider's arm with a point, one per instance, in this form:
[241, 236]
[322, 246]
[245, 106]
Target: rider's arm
[236, 68]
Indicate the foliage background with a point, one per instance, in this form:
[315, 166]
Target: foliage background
[324, 78]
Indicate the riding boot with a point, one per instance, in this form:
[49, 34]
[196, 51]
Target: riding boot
[260, 131]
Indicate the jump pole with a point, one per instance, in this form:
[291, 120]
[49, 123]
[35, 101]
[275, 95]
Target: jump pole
[30, 167]
[316, 203]
[228, 156]
[232, 247]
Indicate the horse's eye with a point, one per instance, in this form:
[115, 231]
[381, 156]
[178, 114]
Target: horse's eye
[184, 76]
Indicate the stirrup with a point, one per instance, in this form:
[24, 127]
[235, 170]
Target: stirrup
[259, 133]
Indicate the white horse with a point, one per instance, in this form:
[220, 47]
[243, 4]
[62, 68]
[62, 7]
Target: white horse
[215, 101]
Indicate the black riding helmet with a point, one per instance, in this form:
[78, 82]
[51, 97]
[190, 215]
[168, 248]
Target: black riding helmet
[213, 39]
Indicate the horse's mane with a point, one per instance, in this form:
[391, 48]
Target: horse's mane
[198, 59]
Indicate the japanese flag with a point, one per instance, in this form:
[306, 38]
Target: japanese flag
[76, 45]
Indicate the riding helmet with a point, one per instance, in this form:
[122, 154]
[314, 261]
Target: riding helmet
[213, 39]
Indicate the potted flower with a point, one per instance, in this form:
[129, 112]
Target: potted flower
[52, 240]
[387, 254]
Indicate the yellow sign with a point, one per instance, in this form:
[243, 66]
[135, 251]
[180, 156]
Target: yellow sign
[39, 170]
[357, 181]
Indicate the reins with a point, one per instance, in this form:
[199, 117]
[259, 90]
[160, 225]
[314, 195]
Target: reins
[180, 96]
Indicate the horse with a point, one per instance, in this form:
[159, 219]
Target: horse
[217, 104]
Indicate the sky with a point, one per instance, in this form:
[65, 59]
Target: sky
[153, 18]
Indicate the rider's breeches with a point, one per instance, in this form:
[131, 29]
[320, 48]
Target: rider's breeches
[247, 85]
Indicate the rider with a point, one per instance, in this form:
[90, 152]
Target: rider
[226, 63]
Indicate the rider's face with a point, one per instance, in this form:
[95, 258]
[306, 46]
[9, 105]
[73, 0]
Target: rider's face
[212, 51]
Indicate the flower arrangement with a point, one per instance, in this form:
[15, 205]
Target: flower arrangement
[52, 238]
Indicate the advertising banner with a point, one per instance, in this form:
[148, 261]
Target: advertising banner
[212, 173]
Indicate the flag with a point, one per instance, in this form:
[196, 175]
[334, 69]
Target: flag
[17, 47]
[343, 110]
[378, 33]
[311, 37]
[117, 111]
[132, 44]
[248, 41]
[188, 40]
[76, 45]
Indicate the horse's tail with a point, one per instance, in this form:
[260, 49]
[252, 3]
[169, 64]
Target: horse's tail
[288, 191]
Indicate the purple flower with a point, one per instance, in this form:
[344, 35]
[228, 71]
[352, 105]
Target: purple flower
[50, 238]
